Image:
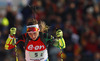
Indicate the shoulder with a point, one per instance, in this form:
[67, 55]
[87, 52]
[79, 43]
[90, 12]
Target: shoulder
[43, 34]
[23, 36]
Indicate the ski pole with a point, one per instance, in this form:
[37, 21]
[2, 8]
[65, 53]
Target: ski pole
[15, 48]
[60, 51]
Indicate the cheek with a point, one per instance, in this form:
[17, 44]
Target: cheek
[30, 34]
[36, 34]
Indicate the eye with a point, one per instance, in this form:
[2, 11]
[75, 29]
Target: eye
[34, 33]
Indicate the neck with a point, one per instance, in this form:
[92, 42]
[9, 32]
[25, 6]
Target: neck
[36, 39]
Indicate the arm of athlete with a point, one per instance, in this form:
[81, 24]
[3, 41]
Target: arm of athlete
[10, 40]
[57, 41]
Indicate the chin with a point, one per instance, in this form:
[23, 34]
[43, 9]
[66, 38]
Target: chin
[34, 38]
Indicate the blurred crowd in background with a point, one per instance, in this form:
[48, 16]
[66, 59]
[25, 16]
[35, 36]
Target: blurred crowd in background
[78, 19]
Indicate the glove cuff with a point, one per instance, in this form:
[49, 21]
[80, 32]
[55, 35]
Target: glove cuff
[10, 36]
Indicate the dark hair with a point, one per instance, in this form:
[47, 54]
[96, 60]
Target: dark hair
[32, 21]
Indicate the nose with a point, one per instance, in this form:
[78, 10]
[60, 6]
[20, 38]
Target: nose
[34, 36]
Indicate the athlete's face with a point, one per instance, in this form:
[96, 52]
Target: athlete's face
[33, 35]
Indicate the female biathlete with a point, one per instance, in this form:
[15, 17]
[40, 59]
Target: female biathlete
[35, 41]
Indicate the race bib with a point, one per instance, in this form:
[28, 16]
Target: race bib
[36, 54]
